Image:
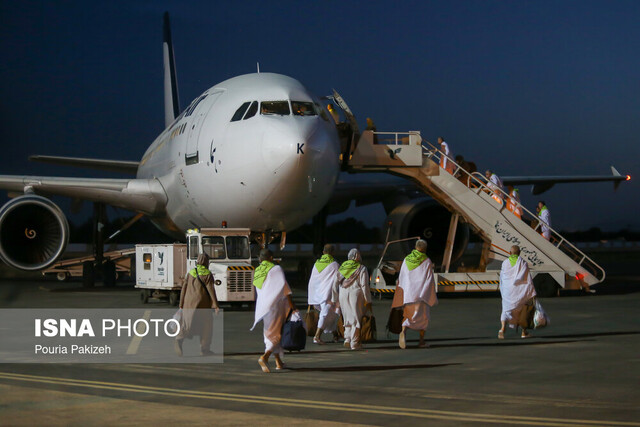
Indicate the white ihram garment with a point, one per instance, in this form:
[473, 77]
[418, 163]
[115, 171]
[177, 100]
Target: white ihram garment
[353, 293]
[272, 308]
[516, 289]
[545, 217]
[320, 289]
[419, 294]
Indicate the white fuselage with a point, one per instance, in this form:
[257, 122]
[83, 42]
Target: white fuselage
[268, 172]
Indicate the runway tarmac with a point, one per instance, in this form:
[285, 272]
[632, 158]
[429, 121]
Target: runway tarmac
[584, 369]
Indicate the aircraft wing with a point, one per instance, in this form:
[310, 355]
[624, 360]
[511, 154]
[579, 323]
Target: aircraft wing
[544, 183]
[140, 195]
[100, 164]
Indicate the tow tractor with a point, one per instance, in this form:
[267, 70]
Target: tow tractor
[161, 269]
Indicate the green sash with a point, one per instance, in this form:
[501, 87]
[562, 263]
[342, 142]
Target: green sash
[414, 259]
[513, 259]
[348, 268]
[324, 262]
[261, 273]
[544, 208]
[200, 270]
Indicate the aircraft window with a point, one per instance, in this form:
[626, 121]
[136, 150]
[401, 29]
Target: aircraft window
[214, 246]
[240, 112]
[238, 247]
[252, 110]
[280, 108]
[323, 113]
[303, 108]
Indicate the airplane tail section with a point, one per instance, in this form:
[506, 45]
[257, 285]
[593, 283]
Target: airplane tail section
[171, 101]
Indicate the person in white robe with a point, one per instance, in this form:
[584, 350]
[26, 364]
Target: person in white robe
[545, 220]
[417, 292]
[323, 277]
[494, 183]
[351, 290]
[445, 158]
[272, 307]
[513, 203]
[516, 289]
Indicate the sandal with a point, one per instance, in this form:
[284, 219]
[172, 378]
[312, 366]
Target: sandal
[500, 335]
[402, 343]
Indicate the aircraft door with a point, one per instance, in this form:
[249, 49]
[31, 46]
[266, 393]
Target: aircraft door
[198, 110]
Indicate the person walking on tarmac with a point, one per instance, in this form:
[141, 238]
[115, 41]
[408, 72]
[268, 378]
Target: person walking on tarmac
[446, 156]
[272, 307]
[416, 292]
[323, 276]
[197, 298]
[351, 289]
[516, 290]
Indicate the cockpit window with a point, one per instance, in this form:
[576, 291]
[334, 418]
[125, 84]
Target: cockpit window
[252, 110]
[303, 108]
[280, 108]
[240, 112]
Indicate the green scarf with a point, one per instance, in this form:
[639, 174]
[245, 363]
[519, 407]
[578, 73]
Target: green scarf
[261, 272]
[414, 259]
[348, 268]
[513, 259]
[200, 270]
[544, 208]
[324, 262]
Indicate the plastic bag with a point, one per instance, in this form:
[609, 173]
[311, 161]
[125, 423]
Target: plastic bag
[540, 317]
[171, 326]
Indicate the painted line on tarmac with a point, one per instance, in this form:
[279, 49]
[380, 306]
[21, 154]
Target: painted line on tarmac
[335, 406]
[136, 340]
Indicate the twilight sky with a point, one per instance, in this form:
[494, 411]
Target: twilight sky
[524, 88]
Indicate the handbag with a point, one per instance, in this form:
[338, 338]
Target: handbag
[368, 330]
[340, 328]
[171, 326]
[311, 320]
[525, 321]
[294, 336]
[396, 317]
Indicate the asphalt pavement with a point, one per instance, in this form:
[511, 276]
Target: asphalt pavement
[583, 369]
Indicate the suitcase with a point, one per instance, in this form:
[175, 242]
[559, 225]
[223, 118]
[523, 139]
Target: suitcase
[294, 336]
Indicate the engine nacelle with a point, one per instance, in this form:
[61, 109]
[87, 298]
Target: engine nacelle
[34, 233]
[430, 221]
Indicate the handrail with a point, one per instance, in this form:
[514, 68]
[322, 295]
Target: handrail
[574, 254]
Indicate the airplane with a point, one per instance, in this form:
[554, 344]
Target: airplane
[256, 151]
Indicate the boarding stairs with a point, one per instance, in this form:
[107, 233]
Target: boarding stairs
[468, 197]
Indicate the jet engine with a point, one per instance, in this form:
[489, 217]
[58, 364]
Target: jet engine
[33, 233]
[430, 221]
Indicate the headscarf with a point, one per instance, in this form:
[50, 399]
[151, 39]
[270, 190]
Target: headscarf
[202, 266]
[324, 262]
[352, 264]
[414, 259]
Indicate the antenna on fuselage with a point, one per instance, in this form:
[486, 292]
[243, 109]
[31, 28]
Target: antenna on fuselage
[258, 64]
